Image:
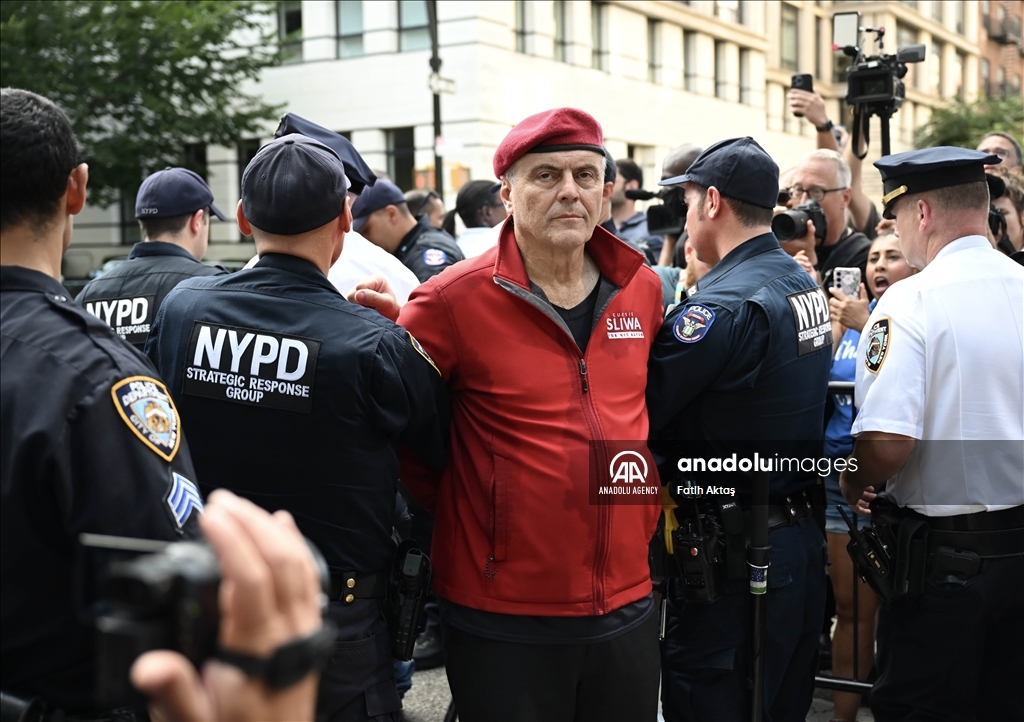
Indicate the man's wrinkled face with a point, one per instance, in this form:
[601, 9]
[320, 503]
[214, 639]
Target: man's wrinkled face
[556, 197]
[815, 175]
[907, 217]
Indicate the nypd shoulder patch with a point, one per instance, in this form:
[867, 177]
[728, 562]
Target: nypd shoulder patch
[422, 352]
[182, 498]
[878, 345]
[693, 323]
[148, 410]
[435, 257]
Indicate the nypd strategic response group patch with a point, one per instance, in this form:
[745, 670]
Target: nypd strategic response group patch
[147, 408]
[693, 323]
[810, 313]
[878, 344]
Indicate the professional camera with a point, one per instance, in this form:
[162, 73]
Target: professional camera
[874, 83]
[166, 597]
[791, 224]
[667, 218]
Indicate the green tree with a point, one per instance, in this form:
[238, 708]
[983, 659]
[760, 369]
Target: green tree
[141, 78]
[964, 124]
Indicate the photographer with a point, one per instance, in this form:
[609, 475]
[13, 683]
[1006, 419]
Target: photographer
[863, 214]
[823, 178]
[269, 596]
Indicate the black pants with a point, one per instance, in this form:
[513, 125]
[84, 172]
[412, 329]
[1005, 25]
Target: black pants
[495, 681]
[358, 683]
[957, 651]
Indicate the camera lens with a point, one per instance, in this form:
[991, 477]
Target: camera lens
[787, 226]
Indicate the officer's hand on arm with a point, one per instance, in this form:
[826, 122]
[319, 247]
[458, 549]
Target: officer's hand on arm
[375, 292]
[269, 595]
[849, 312]
[879, 455]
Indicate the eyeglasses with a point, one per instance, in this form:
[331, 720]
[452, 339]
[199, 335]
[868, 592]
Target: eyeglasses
[815, 194]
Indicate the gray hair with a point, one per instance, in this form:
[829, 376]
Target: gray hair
[843, 175]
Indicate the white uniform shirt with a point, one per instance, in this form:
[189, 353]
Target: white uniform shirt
[942, 360]
[474, 241]
[359, 260]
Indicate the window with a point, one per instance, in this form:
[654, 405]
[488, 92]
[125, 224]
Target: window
[401, 152]
[745, 77]
[246, 152]
[958, 15]
[937, 11]
[728, 10]
[350, 28]
[289, 30]
[985, 77]
[130, 231]
[598, 37]
[690, 61]
[653, 52]
[520, 26]
[561, 31]
[935, 83]
[959, 65]
[789, 44]
[818, 22]
[194, 158]
[413, 28]
[906, 35]
[721, 79]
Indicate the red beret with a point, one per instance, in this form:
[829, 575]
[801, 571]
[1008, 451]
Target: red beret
[552, 130]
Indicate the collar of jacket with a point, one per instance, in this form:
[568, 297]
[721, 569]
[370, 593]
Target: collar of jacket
[299, 266]
[617, 261]
[19, 278]
[159, 248]
[743, 252]
[422, 225]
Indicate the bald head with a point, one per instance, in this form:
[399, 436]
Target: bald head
[679, 160]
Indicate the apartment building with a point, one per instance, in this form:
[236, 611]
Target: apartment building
[656, 73]
[1001, 47]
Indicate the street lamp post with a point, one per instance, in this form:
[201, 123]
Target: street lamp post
[435, 67]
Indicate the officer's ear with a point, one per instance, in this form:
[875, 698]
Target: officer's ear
[345, 219]
[78, 179]
[713, 203]
[243, 222]
[195, 223]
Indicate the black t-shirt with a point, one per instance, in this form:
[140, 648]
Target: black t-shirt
[580, 318]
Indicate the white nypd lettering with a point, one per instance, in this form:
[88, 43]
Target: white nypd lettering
[255, 367]
[810, 315]
[131, 317]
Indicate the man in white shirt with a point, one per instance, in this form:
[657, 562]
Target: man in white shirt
[940, 388]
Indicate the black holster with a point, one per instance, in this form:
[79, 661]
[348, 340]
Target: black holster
[407, 589]
[699, 553]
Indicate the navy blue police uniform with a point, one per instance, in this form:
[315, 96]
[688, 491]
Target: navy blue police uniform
[90, 442]
[297, 400]
[424, 250]
[128, 296]
[741, 368]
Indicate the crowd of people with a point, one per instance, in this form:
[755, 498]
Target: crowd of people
[375, 373]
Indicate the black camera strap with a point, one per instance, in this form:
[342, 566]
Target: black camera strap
[291, 661]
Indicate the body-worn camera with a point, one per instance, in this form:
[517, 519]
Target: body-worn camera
[667, 218]
[791, 224]
[167, 599]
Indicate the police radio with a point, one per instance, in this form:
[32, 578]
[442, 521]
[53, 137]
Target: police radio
[872, 558]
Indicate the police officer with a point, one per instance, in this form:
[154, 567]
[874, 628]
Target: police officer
[940, 387]
[173, 208]
[744, 361]
[90, 440]
[298, 398]
[381, 214]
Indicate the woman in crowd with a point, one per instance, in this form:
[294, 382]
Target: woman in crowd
[886, 266]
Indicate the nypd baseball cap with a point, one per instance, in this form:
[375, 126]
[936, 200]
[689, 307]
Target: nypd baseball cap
[293, 184]
[381, 194]
[739, 168]
[174, 192]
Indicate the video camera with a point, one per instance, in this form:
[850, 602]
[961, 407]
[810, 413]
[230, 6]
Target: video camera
[874, 83]
[155, 595]
[667, 218]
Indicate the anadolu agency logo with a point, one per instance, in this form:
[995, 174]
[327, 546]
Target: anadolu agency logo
[627, 479]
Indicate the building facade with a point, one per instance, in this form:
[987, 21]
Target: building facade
[1001, 46]
[655, 73]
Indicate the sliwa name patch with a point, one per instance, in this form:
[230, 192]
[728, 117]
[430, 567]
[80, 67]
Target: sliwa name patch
[878, 345]
[693, 323]
[147, 409]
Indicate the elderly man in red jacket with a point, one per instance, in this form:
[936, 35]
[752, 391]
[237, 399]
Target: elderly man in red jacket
[540, 546]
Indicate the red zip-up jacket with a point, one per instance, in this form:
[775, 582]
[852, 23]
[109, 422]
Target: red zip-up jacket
[515, 531]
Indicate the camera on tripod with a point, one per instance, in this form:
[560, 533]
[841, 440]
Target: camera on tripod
[667, 218]
[874, 83]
